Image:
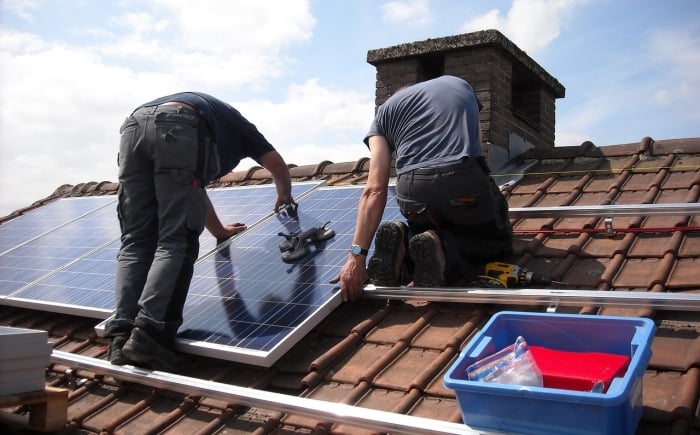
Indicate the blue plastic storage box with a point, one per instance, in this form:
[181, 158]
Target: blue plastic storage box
[541, 410]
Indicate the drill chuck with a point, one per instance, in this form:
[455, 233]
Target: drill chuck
[536, 278]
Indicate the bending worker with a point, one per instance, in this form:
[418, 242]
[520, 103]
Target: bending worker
[170, 149]
[456, 217]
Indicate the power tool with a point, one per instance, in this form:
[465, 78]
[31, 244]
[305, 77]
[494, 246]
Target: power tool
[505, 275]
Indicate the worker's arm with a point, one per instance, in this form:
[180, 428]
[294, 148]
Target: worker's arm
[369, 214]
[215, 227]
[273, 162]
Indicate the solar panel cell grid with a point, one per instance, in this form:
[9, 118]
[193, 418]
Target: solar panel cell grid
[73, 279]
[43, 219]
[43, 255]
[245, 303]
[245, 300]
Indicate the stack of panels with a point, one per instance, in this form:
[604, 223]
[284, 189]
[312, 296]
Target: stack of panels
[24, 355]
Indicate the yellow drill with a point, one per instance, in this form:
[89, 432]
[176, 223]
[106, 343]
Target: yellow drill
[497, 274]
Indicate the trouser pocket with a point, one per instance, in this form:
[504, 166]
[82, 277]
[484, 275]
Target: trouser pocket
[415, 212]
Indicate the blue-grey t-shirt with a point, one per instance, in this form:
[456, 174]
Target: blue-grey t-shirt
[430, 124]
[236, 138]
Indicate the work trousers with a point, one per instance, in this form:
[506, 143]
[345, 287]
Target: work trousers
[162, 210]
[463, 204]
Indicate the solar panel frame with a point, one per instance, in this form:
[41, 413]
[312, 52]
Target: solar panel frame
[298, 306]
[220, 274]
[85, 285]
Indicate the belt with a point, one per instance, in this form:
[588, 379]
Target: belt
[461, 164]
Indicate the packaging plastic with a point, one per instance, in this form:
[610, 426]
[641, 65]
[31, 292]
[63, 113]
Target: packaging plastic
[511, 365]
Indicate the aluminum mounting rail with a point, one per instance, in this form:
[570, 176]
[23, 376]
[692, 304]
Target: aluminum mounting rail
[682, 208]
[550, 297]
[378, 421]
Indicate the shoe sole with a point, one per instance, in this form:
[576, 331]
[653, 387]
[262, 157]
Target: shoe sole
[427, 265]
[141, 354]
[116, 356]
[381, 267]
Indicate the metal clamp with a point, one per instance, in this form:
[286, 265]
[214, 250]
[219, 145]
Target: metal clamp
[609, 230]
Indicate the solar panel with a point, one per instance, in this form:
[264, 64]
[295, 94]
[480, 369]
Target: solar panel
[55, 249]
[246, 304]
[46, 218]
[248, 205]
[85, 285]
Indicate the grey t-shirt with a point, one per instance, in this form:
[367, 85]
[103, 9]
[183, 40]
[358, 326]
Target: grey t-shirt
[430, 124]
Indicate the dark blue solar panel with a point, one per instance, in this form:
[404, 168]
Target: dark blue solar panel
[86, 284]
[246, 304]
[48, 217]
[56, 249]
[246, 205]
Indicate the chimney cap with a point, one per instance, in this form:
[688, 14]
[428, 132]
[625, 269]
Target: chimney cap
[463, 41]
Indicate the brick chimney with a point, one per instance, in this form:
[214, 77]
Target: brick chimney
[518, 94]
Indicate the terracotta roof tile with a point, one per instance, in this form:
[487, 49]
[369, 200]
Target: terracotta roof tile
[690, 246]
[671, 395]
[684, 273]
[675, 335]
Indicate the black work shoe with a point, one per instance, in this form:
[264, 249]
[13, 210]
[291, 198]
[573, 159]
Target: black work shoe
[116, 356]
[145, 351]
[426, 251]
[385, 265]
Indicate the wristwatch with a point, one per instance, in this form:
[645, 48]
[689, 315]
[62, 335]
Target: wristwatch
[358, 250]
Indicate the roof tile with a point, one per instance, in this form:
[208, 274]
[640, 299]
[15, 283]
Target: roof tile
[407, 371]
[690, 246]
[671, 395]
[676, 344]
[448, 330]
[684, 273]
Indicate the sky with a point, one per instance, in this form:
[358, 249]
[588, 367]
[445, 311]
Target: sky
[72, 70]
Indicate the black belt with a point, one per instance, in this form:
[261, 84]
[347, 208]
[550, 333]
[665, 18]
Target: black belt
[461, 164]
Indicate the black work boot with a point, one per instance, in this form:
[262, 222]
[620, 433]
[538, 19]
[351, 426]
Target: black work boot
[426, 251]
[115, 354]
[385, 265]
[145, 351]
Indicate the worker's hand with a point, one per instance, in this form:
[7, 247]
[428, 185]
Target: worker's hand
[352, 278]
[229, 231]
[283, 202]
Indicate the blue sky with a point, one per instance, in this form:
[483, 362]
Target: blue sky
[71, 70]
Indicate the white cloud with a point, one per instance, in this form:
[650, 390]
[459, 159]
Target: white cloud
[62, 105]
[399, 11]
[314, 123]
[675, 55]
[220, 27]
[21, 8]
[531, 24]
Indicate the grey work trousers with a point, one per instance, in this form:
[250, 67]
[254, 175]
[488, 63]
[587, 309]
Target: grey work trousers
[463, 204]
[162, 209]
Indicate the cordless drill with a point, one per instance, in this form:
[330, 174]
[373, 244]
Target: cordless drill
[511, 275]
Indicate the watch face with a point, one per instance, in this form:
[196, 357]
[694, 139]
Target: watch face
[355, 249]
